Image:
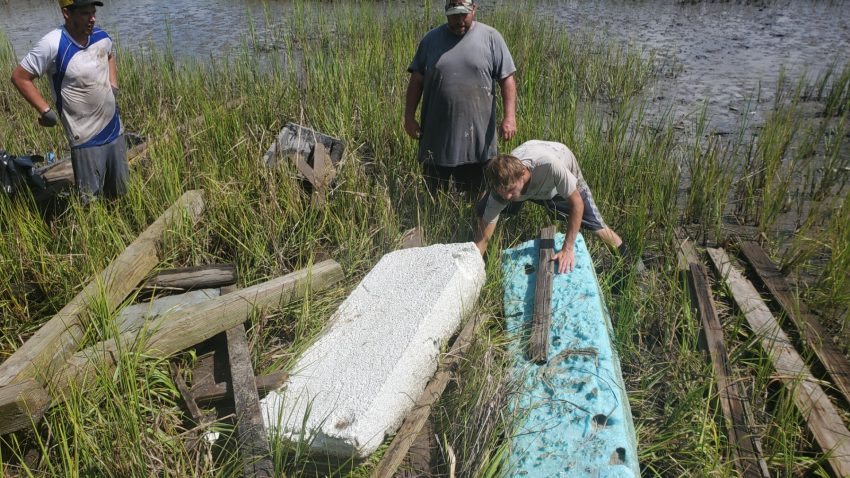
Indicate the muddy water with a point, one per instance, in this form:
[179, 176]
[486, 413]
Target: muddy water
[722, 51]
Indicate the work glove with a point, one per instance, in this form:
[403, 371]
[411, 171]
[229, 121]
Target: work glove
[48, 119]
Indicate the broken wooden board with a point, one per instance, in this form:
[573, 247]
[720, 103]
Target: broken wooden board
[541, 321]
[808, 326]
[745, 445]
[250, 429]
[198, 277]
[822, 419]
[577, 420]
[43, 355]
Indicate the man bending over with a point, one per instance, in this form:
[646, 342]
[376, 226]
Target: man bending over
[546, 173]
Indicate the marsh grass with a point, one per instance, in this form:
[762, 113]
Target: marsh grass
[340, 68]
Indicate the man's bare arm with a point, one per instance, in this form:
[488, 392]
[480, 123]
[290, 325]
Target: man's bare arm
[508, 87]
[415, 86]
[24, 81]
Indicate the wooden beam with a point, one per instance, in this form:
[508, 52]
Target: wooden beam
[45, 352]
[185, 328]
[538, 348]
[686, 251]
[745, 445]
[198, 277]
[822, 420]
[250, 429]
[808, 326]
[422, 409]
[25, 403]
[210, 392]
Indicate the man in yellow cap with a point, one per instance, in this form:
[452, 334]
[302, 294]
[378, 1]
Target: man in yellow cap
[79, 60]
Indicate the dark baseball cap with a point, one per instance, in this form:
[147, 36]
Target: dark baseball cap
[79, 3]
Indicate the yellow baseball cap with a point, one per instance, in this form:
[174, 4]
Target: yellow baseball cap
[79, 3]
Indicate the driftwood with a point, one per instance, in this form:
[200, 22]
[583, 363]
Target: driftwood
[822, 420]
[42, 356]
[745, 445]
[414, 422]
[538, 347]
[198, 277]
[809, 327]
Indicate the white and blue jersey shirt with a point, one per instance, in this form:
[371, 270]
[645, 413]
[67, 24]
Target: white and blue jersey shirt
[79, 76]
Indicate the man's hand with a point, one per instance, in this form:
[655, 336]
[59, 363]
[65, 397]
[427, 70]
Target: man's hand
[508, 128]
[411, 126]
[48, 119]
[566, 260]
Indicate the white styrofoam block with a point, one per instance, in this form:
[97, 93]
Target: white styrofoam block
[360, 379]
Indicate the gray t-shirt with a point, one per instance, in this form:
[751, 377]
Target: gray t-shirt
[459, 101]
[554, 172]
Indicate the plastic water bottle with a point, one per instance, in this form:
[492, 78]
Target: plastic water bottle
[51, 156]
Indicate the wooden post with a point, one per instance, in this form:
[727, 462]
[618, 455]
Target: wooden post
[538, 349]
[253, 439]
[422, 409]
[809, 327]
[745, 445]
[822, 420]
[183, 329]
[45, 352]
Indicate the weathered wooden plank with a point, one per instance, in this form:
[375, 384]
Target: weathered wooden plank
[198, 277]
[250, 429]
[538, 347]
[185, 328]
[134, 317]
[45, 352]
[686, 251]
[422, 409]
[822, 420]
[24, 403]
[210, 392]
[808, 326]
[745, 445]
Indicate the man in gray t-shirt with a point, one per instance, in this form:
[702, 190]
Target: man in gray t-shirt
[547, 173]
[454, 72]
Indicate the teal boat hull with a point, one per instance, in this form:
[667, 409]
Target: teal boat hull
[574, 410]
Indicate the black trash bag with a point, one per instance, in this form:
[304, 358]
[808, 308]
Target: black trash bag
[17, 172]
